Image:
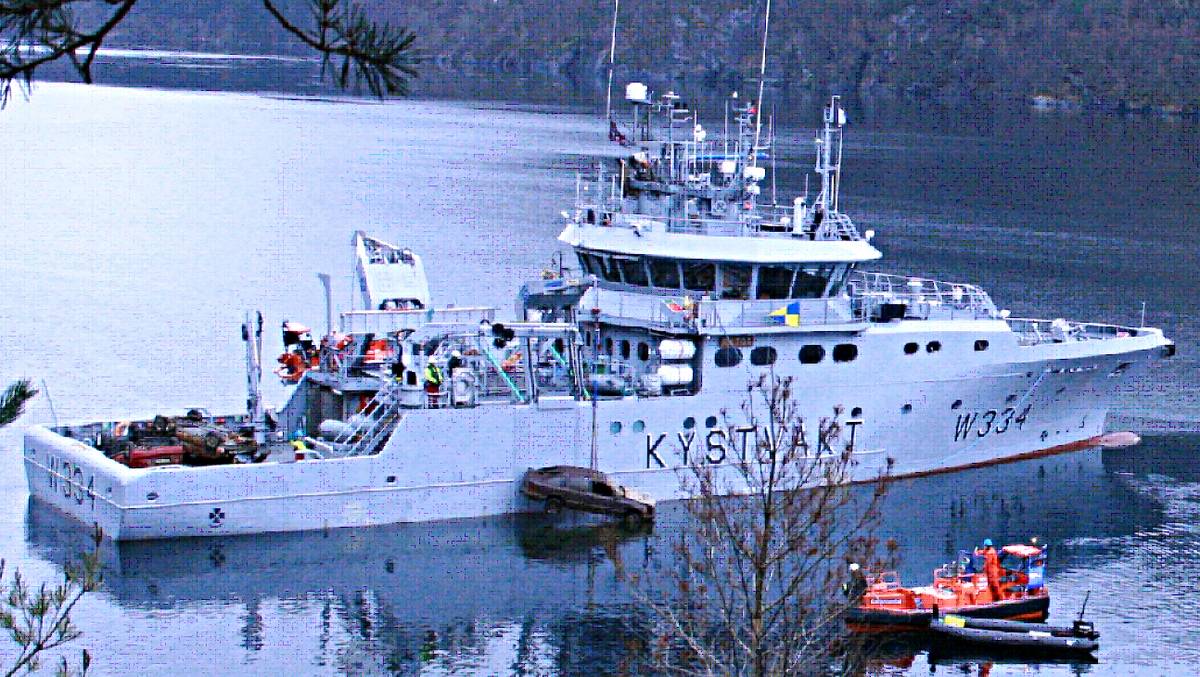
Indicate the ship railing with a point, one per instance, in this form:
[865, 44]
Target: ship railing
[765, 221]
[917, 298]
[700, 312]
[1031, 331]
[383, 322]
[373, 425]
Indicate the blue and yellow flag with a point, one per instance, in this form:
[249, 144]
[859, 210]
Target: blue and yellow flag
[788, 315]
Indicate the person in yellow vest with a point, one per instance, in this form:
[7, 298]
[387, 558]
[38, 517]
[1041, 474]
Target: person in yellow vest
[433, 384]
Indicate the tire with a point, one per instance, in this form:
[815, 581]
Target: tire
[554, 505]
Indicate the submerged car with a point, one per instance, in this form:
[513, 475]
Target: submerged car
[566, 486]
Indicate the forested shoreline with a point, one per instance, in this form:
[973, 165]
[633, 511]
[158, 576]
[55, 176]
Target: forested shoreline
[1119, 54]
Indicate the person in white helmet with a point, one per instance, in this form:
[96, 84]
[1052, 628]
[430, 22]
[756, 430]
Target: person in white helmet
[856, 586]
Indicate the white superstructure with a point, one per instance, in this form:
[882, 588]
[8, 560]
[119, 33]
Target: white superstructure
[692, 285]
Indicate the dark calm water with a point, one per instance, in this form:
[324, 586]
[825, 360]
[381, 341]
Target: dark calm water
[138, 225]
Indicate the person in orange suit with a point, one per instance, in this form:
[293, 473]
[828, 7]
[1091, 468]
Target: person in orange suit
[991, 567]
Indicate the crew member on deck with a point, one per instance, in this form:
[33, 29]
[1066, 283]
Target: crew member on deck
[398, 365]
[856, 586]
[433, 384]
[991, 567]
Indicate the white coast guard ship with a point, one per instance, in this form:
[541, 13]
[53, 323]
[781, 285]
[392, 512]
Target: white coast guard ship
[692, 286]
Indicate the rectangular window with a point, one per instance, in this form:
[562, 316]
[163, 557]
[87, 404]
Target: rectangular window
[592, 264]
[774, 282]
[699, 276]
[735, 280]
[664, 273]
[838, 282]
[810, 282]
[634, 271]
[611, 272]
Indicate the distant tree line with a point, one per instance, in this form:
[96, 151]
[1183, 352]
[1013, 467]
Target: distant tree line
[1111, 52]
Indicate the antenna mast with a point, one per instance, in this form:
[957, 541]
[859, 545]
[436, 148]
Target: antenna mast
[612, 55]
[762, 75]
[829, 159]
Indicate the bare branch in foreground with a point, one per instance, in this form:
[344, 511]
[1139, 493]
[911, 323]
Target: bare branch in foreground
[755, 582]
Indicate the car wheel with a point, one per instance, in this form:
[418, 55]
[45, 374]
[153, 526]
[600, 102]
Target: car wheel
[554, 505]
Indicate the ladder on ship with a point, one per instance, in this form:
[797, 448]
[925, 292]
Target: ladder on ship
[372, 427]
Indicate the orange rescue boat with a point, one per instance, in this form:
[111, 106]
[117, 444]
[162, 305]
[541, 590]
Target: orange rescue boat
[1006, 584]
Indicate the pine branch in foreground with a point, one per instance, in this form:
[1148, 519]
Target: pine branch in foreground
[13, 400]
[354, 50]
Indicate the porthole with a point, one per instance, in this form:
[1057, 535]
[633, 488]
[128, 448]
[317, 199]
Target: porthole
[638, 426]
[933, 346]
[957, 404]
[845, 352]
[1012, 397]
[981, 345]
[762, 356]
[710, 422]
[911, 348]
[152, 496]
[728, 357]
[615, 427]
[643, 351]
[689, 423]
[906, 409]
[812, 354]
[624, 350]
[391, 479]
[1061, 390]
[856, 412]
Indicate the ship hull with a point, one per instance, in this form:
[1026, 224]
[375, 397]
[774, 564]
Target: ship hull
[453, 463]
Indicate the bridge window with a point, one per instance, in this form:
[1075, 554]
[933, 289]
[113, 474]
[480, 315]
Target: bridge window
[643, 351]
[774, 282]
[591, 264]
[762, 356]
[664, 273]
[699, 276]
[633, 271]
[812, 354]
[625, 349]
[838, 281]
[811, 282]
[845, 352]
[735, 280]
[608, 345]
[728, 357]
[610, 271]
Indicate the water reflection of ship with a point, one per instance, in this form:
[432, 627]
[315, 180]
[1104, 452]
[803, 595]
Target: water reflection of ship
[456, 586]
